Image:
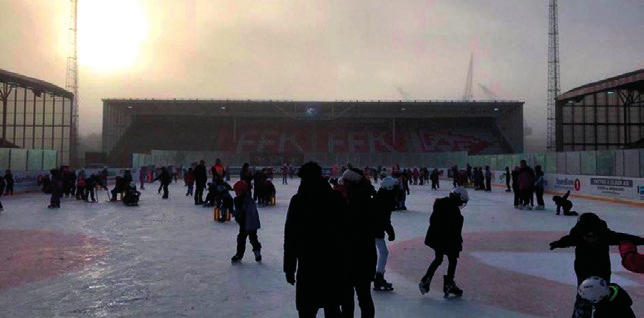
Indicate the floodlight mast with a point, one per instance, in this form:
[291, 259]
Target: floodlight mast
[553, 75]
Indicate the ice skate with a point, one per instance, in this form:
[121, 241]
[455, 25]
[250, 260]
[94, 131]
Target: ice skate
[236, 259]
[380, 284]
[449, 287]
[423, 286]
[258, 256]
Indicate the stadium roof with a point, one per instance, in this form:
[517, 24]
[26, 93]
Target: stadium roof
[633, 81]
[311, 110]
[36, 85]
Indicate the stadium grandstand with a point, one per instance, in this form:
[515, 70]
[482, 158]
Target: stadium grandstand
[275, 132]
[603, 115]
[37, 115]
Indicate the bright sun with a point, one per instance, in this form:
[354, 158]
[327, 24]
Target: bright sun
[110, 33]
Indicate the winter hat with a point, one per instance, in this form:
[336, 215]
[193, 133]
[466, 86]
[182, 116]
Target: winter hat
[309, 170]
[352, 175]
[590, 224]
[388, 183]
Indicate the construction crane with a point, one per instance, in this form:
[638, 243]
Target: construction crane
[467, 95]
[488, 92]
[406, 97]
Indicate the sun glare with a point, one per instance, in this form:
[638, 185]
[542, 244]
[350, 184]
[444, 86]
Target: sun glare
[110, 34]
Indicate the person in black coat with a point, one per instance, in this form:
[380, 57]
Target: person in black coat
[364, 256]
[201, 177]
[8, 179]
[564, 203]
[315, 249]
[591, 238]
[385, 203]
[444, 236]
[165, 178]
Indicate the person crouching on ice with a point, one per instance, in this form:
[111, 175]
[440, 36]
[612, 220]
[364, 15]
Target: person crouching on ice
[245, 212]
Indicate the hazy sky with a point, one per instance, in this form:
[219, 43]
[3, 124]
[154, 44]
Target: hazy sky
[320, 49]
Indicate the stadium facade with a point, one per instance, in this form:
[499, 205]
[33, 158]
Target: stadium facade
[37, 115]
[603, 115]
[275, 132]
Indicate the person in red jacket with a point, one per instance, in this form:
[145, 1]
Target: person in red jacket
[631, 259]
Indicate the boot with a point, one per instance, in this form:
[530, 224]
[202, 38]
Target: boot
[236, 259]
[424, 285]
[449, 287]
[380, 284]
[258, 255]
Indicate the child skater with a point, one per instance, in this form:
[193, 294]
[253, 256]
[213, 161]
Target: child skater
[563, 202]
[245, 212]
[385, 203]
[608, 299]
[445, 237]
[591, 238]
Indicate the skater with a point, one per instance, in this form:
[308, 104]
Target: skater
[165, 178]
[222, 197]
[488, 179]
[56, 189]
[315, 249]
[563, 202]
[508, 177]
[217, 169]
[201, 177]
[385, 203]
[608, 299]
[2, 185]
[539, 187]
[444, 236]
[363, 253]
[9, 181]
[591, 238]
[143, 173]
[631, 259]
[189, 180]
[245, 212]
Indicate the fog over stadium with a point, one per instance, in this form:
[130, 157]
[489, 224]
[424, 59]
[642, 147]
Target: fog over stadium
[321, 50]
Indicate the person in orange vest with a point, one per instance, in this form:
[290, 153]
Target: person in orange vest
[217, 169]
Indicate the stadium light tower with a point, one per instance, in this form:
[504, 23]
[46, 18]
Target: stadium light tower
[553, 74]
[71, 82]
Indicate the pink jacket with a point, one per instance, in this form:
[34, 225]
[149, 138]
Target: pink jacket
[631, 260]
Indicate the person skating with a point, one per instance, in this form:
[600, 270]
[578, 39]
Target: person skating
[9, 181]
[2, 185]
[315, 250]
[385, 203]
[165, 178]
[631, 259]
[57, 188]
[363, 256]
[245, 213]
[608, 299]
[444, 236]
[201, 177]
[591, 238]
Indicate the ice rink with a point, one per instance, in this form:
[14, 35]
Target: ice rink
[168, 258]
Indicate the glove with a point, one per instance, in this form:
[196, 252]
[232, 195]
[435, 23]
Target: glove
[290, 278]
[554, 245]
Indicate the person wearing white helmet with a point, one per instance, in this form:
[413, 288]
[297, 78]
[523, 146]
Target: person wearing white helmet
[608, 299]
[444, 236]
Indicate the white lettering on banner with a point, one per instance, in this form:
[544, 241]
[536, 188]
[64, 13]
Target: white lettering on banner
[612, 182]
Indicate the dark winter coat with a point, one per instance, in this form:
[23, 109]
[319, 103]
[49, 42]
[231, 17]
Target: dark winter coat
[315, 244]
[385, 203]
[164, 177]
[245, 212]
[201, 175]
[593, 259]
[445, 227]
[362, 228]
[617, 304]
